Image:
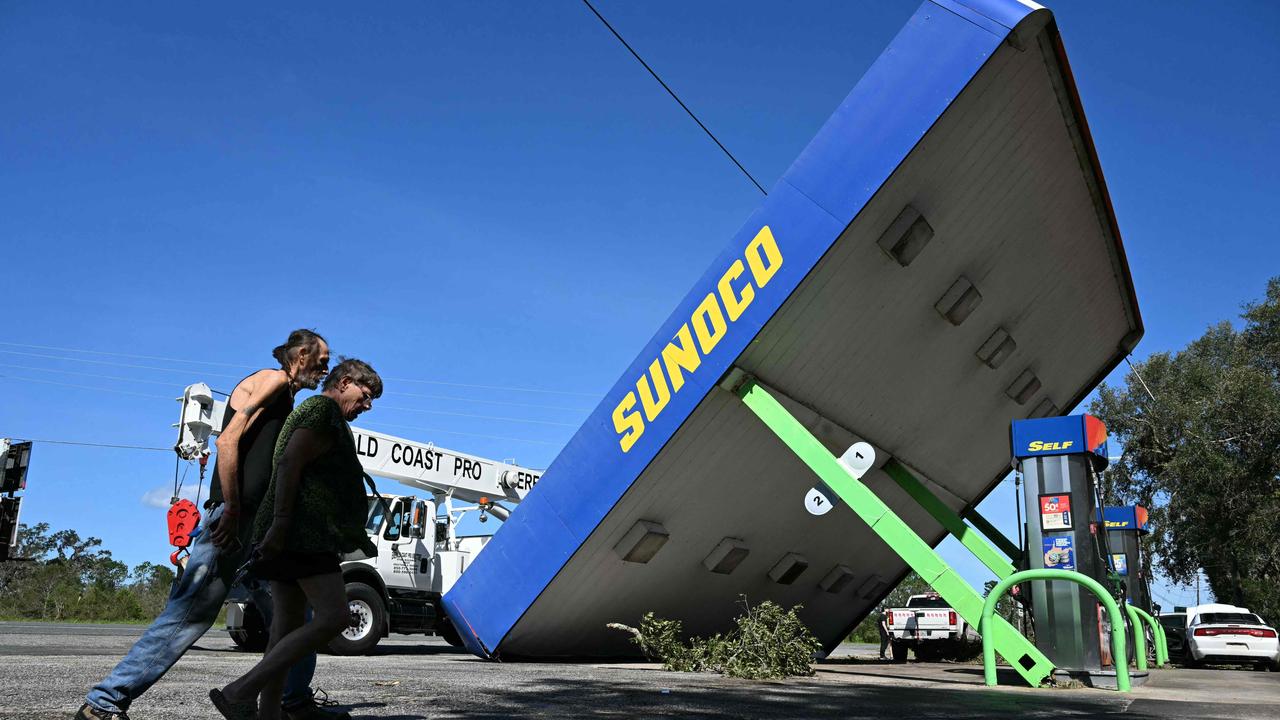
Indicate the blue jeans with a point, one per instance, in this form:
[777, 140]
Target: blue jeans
[192, 607]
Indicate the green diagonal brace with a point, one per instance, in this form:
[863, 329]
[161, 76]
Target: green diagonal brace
[946, 517]
[1029, 662]
[986, 528]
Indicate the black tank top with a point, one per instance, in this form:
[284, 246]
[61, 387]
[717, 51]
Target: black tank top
[257, 446]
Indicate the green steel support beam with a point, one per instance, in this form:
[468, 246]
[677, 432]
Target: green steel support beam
[946, 517]
[1028, 661]
[1006, 545]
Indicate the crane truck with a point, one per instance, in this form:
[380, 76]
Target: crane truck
[420, 554]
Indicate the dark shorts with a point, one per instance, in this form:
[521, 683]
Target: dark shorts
[294, 565]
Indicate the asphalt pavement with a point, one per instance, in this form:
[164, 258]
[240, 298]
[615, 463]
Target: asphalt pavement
[45, 669]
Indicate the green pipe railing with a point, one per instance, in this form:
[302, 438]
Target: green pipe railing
[1139, 638]
[1113, 612]
[1163, 645]
[1157, 634]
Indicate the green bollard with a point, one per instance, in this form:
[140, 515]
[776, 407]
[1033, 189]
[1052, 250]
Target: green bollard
[1139, 637]
[1113, 613]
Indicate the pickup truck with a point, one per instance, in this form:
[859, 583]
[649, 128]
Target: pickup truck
[930, 627]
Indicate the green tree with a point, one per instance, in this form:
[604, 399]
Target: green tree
[151, 584]
[65, 577]
[1201, 435]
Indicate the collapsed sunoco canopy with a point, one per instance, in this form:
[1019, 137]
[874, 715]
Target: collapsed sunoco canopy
[940, 260]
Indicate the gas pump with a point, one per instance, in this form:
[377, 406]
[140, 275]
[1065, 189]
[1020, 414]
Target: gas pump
[1059, 459]
[1125, 528]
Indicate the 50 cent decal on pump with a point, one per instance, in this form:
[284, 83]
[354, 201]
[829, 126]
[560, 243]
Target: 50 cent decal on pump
[1055, 512]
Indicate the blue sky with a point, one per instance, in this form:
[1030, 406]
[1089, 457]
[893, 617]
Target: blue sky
[463, 194]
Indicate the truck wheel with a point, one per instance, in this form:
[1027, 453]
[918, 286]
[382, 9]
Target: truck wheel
[368, 618]
[446, 630]
[899, 652]
[252, 635]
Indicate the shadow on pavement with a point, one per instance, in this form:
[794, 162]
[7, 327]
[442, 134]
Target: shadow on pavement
[568, 698]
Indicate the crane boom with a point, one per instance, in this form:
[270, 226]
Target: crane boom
[439, 470]
[425, 466]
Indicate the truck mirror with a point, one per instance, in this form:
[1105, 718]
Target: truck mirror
[419, 519]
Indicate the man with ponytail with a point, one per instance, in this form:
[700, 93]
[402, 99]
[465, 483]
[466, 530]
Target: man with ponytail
[255, 414]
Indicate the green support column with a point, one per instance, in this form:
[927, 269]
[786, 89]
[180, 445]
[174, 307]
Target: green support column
[946, 517]
[1028, 661]
[1006, 545]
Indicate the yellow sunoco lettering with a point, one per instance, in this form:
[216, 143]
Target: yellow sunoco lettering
[628, 424]
[707, 324]
[735, 305]
[680, 357]
[709, 311]
[763, 242]
[652, 408]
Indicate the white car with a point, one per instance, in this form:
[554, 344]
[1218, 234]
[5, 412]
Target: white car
[1228, 634]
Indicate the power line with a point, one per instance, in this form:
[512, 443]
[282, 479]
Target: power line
[115, 364]
[478, 417]
[93, 444]
[505, 388]
[83, 387]
[376, 425]
[119, 354]
[94, 375]
[1139, 376]
[673, 95]
[398, 394]
[487, 402]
